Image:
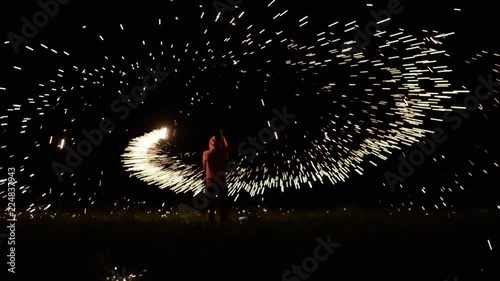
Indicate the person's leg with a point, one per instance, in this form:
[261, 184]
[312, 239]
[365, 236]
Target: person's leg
[223, 204]
[212, 205]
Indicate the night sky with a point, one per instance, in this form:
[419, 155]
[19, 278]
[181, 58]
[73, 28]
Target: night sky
[232, 73]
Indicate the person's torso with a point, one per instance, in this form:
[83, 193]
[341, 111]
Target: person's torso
[216, 165]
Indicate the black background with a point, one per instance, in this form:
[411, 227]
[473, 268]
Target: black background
[475, 28]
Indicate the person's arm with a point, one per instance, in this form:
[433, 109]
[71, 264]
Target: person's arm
[226, 145]
[204, 159]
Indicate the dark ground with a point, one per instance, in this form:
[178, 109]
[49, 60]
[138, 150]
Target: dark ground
[375, 245]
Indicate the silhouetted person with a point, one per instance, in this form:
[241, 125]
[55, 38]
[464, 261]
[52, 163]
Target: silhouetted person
[214, 163]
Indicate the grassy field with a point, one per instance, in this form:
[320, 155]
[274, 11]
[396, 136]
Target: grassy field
[375, 244]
